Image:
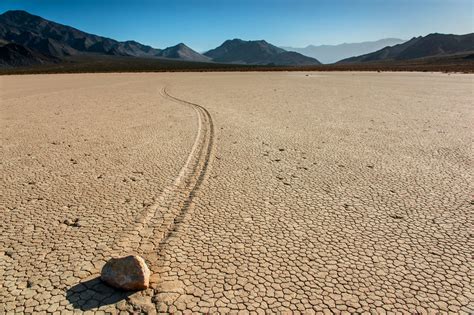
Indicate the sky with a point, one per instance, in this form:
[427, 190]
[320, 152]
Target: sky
[205, 24]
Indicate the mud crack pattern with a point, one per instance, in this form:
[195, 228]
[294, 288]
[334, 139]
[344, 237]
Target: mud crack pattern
[329, 193]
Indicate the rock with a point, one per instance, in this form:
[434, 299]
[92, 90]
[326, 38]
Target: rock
[9, 252]
[126, 273]
[74, 223]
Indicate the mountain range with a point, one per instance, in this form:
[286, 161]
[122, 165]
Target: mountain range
[432, 45]
[332, 53]
[37, 40]
[28, 40]
[57, 40]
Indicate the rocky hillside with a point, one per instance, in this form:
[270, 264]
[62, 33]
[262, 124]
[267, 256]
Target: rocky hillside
[257, 52]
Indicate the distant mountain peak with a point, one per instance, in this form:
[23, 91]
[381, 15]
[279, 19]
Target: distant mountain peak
[256, 52]
[17, 13]
[183, 52]
[20, 15]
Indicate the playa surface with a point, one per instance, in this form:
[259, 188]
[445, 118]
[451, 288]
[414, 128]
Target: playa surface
[245, 192]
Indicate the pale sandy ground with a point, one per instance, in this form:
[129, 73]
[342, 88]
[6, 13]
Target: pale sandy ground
[327, 192]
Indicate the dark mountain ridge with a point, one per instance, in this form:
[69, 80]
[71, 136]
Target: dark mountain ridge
[59, 40]
[16, 55]
[258, 52]
[432, 45]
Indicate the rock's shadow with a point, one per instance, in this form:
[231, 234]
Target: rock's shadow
[94, 293]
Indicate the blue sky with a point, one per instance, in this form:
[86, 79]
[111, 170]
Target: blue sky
[205, 24]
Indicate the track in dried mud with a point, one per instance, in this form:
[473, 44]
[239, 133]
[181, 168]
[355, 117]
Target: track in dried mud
[161, 220]
[195, 170]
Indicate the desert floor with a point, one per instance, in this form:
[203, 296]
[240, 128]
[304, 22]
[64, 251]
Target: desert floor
[245, 192]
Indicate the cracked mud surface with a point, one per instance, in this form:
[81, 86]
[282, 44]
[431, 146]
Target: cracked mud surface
[246, 193]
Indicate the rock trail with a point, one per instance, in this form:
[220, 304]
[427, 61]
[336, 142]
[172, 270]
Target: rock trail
[161, 220]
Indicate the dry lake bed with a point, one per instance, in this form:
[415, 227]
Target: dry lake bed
[245, 192]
